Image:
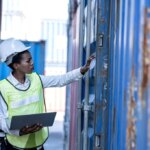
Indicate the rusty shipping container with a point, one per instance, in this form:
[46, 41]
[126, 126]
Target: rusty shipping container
[110, 108]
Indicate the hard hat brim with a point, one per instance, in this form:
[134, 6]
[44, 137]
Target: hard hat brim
[9, 61]
[27, 48]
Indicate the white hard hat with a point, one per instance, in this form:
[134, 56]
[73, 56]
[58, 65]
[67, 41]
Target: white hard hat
[11, 47]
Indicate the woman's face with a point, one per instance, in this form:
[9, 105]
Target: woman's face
[26, 63]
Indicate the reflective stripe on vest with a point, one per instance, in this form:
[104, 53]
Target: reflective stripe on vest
[21, 102]
[26, 101]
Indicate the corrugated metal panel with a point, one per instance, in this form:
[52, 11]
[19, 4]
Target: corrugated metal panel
[74, 106]
[74, 88]
[122, 77]
[127, 102]
[101, 99]
[38, 54]
[68, 88]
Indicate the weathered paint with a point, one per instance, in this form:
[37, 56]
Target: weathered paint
[121, 79]
[101, 84]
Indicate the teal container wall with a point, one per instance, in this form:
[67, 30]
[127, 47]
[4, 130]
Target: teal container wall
[38, 54]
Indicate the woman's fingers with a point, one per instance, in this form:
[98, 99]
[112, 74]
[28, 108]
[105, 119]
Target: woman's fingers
[90, 59]
[86, 67]
[34, 128]
[31, 129]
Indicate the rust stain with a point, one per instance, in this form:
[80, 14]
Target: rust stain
[146, 57]
[104, 73]
[146, 60]
[131, 119]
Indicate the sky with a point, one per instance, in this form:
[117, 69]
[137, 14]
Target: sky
[33, 12]
[54, 9]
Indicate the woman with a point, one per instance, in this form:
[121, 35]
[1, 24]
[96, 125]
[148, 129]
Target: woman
[22, 93]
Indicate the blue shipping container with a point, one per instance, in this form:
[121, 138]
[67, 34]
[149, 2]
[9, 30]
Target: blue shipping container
[117, 114]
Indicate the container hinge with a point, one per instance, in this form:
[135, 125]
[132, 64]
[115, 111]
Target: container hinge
[98, 142]
[100, 40]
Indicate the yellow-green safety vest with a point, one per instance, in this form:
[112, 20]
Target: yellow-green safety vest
[21, 102]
